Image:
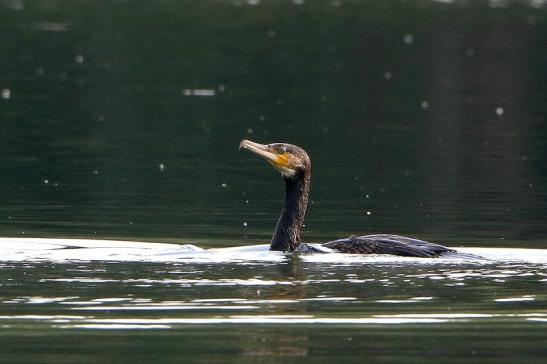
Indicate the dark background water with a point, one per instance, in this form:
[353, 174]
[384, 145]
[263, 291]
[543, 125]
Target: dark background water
[430, 116]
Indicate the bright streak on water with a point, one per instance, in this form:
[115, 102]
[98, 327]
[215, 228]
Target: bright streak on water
[199, 92]
[59, 250]
[169, 322]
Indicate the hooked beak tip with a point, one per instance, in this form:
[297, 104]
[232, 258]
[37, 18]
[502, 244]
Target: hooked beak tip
[250, 145]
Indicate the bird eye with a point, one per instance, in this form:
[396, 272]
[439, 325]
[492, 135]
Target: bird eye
[282, 150]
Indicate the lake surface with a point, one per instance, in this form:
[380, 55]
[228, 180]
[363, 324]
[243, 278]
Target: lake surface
[120, 120]
[125, 302]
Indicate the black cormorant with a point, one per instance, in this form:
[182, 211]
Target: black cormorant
[295, 167]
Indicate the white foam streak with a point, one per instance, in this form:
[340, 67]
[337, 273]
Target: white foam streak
[90, 322]
[63, 250]
[162, 308]
[516, 299]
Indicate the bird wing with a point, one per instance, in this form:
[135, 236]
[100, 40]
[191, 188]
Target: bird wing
[387, 244]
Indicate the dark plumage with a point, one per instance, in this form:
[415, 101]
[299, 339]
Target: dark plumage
[388, 244]
[295, 166]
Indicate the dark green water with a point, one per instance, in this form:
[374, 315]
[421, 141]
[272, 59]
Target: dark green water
[121, 119]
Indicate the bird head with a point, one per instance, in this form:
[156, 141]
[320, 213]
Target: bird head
[288, 159]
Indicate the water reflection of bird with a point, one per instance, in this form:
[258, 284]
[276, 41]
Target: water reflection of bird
[295, 167]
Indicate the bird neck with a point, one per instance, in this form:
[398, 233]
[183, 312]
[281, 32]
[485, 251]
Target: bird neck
[286, 236]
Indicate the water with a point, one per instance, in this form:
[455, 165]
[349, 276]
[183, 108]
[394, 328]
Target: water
[121, 120]
[243, 305]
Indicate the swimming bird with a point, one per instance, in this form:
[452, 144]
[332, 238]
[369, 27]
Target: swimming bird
[294, 164]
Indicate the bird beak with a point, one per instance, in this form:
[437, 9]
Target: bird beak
[277, 160]
[258, 149]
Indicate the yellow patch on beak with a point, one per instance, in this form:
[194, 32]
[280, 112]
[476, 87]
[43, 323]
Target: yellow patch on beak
[281, 160]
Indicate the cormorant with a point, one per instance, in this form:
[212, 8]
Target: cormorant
[295, 167]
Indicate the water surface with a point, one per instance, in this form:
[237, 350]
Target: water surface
[189, 304]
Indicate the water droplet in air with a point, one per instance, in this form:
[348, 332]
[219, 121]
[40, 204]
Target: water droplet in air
[249, 130]
[245, 223]
[270, 33]
[408, 39]
[369, 213]
[46, 181]
[499, 111]
[6, 93]
[79, 58]
[15, 5]
[424, 105]
[224, 185]
[161, 166]
[387, 75]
